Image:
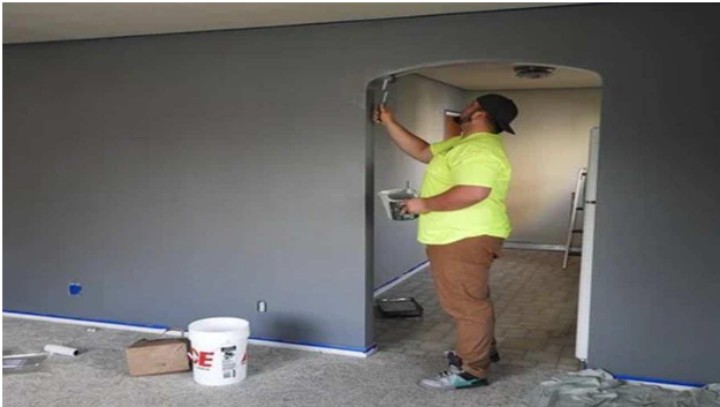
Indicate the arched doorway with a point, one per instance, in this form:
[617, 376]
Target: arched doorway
[557, 114]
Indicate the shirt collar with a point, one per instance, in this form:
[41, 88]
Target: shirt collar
[482, 134]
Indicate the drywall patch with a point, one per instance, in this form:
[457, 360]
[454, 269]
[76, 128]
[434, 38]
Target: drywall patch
[74, 289]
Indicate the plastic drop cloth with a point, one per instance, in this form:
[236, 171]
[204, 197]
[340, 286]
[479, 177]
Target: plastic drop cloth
[590, 388]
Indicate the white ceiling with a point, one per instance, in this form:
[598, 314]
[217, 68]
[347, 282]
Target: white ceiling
[39, 22]
[501, 76]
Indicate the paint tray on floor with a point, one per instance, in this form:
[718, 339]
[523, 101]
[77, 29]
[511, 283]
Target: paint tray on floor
[399, 307]
[23, 363]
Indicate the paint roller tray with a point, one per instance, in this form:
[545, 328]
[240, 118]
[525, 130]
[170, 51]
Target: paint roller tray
[399, 307]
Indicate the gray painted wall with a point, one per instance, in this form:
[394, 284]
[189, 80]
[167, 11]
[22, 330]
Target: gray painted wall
[191, 175]
[181, 177]
[419, 104]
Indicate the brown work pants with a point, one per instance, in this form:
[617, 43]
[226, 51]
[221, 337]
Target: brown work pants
[461, 273]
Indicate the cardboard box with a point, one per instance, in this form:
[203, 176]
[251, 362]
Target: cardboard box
[158, 356]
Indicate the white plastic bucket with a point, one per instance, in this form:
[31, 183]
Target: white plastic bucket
[218, 350]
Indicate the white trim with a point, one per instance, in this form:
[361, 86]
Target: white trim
[183, 334]
[679, 387]
[311, 348]
[537, 246]
[176, 334]
[69, 321]
[400, 279]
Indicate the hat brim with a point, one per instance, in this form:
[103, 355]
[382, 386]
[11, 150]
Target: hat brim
[506, 127]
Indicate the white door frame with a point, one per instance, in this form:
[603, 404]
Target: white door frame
[583, 318]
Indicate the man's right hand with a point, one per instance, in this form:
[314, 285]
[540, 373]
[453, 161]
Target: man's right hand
[409, 143]
[383, 115]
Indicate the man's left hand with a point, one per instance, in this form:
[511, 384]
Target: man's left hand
[415, 206]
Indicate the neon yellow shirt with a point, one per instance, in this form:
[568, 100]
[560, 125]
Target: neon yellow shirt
[479, 160]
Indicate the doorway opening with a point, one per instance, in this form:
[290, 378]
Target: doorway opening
[542, 310]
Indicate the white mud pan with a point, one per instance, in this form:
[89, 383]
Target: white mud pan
[392, 200]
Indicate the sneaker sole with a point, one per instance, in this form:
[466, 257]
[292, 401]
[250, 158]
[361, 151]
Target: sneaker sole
[474, 386]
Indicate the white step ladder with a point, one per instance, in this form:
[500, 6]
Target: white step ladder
[577, 198]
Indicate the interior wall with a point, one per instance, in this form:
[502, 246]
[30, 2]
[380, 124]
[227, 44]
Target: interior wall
[419, 104]
[187, 176]
[184, 176]
[550, 146]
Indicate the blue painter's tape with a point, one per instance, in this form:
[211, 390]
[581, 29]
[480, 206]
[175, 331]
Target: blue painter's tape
[422, 263]
[389, 282]
[658, 381]
[74, 289]
[104, 321]
[400, 276]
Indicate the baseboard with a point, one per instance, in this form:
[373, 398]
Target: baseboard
[658, 382]
[159, 330]
[397, 280]
[314, 347]
[537, 246]
[58, 319]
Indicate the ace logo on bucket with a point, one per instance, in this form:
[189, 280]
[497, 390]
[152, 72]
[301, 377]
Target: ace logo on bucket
[201, 360]
[204, 360]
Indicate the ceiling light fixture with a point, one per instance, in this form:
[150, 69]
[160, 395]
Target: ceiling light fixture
[533, 72]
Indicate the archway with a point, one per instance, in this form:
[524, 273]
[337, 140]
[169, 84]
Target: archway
[558, 112]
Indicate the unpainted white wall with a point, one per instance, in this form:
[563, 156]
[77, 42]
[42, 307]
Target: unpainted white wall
[550, 146]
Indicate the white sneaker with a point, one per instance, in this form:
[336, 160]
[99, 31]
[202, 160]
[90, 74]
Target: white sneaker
[453, 379]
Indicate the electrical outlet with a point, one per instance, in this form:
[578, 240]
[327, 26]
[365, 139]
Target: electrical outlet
[262, 306]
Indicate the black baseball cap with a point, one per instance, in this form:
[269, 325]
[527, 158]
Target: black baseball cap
[502, 110]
